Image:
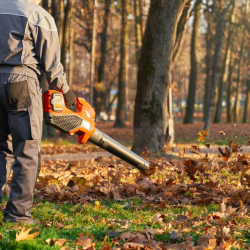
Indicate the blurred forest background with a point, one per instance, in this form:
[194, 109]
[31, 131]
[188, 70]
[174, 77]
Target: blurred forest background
[207, 69]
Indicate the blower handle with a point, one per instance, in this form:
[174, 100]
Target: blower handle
[105, 142]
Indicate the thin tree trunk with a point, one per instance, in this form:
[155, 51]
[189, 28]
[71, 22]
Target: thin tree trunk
[208, 60]
[216, 61]
[140, 17]
[67, 15]
[138, 30]
[223, 77]
[45, 5]
[229, 90]
[238, 87]
[120, 114]
[246, 118]
[99, 88]
[151, 116]
[93, 54]
[57, 13]
[181, 30]
[193, 74]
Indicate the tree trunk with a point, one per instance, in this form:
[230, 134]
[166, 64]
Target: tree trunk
[65, 32]
[238, 87]
[138, 30]
[216, 61]
[193, 74]
[208, 60]
[181, 29]
[120, 114]
[45, 5]
[151, 116]
[99, 88]
[93, 54]
[224, 75]
[246, 118]
[57, 13]
[229, 90]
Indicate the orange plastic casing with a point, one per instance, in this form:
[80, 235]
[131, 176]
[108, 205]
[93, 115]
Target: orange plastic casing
[84, 110]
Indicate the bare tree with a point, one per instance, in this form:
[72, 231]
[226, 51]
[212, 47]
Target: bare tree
[120, 114]
[193, 74]
[216, 62]
[225, 65]
[239, 79]
[151, 116]
[99, 92]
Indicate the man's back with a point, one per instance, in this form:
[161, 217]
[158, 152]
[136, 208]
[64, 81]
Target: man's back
[19, 41]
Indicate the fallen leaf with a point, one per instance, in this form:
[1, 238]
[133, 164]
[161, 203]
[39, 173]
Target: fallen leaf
[60, 242]
[85, 241]
[24, 235]
[97, 205]
[207, 241]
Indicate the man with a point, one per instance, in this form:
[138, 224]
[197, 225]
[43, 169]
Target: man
[29, 48]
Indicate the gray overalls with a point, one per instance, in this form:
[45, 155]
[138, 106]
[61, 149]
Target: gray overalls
[29, 47]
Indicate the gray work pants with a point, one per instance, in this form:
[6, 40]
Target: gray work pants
[20, 141]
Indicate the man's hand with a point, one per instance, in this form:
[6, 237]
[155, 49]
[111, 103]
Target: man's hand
[70, 98]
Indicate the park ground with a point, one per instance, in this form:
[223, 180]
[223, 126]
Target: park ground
[186, 200]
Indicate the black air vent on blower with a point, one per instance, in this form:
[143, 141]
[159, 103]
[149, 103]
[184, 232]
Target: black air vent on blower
[66, 122]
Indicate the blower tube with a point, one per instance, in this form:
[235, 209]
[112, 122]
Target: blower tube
[105, 142]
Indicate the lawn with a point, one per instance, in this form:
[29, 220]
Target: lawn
[193, 201]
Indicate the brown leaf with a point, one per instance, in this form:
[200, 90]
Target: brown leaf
[228, 245]
[207, 241]
[226, 154]
[224, 233]
[106, 247]
[85, 241]
[24, 235]
[60, 242]
[234, 147]
[174, 237]
[50, 242]
[202, 135]
[195, 149]
[85, 199]
[182, 152]
[145, 152]
[222, 132]
[223, 207]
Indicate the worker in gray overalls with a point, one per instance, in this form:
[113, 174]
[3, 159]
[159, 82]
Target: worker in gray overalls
[29, 48]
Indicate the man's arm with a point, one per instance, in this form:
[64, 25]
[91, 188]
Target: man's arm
[47, 47]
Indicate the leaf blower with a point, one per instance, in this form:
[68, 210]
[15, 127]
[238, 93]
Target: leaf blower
[82, 123]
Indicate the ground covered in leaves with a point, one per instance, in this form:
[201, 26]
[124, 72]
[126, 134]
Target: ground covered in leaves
[190, 201]
[184, 134]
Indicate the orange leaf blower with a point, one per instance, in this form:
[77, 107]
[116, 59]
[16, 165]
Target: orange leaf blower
[82, 123]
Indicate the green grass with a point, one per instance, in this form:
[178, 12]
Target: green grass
[86, 218]
[83, 219]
